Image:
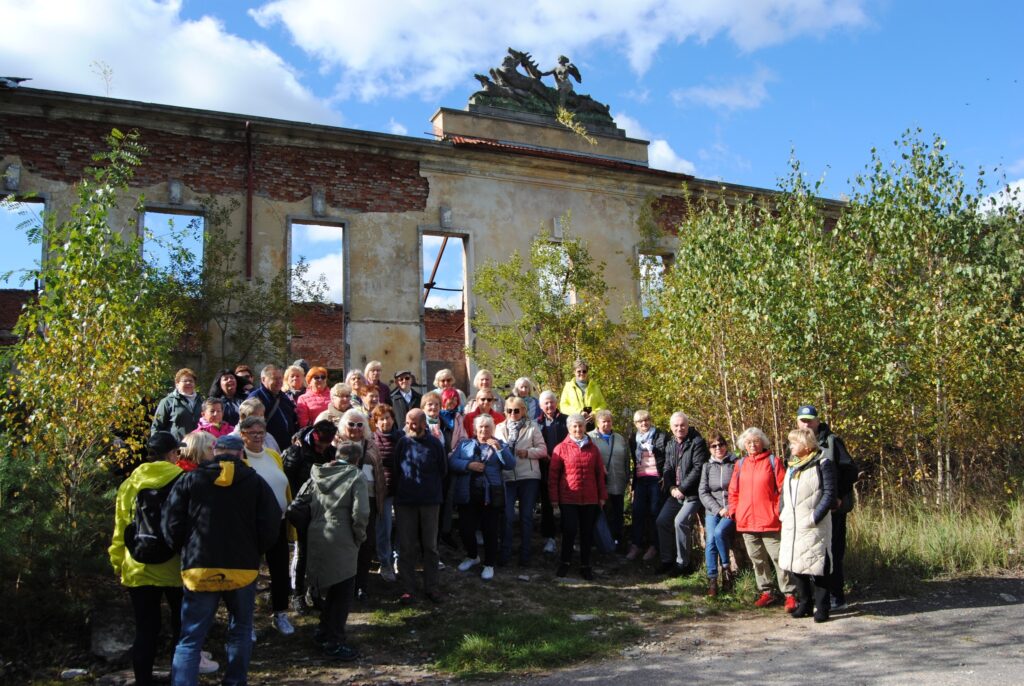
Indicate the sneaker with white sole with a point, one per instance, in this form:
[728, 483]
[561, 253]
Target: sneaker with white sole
[468, 564]
[487, 574]
[388, 574]
[282, 624]
[550, 547]
[206, 664]
[254, 635]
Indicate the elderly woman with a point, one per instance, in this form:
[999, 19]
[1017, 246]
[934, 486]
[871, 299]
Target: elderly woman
[269, 466]
[336, 513]
[577, 484]
[718, 526]
[373, 371]
[315, 400]
[479, 493]
[522, 484]
[808, 495]
[179, 412]
[615, 456]
[294, 382]
[482, 381]
[198, 447]
[371, 398]
[356, 381]
[386, 435]
[451, 424]
[226, 387]
[582, 394]
[647, 446]
[525, 388]
[253, 407]
[754, 506]
[212, 419]
[341, 401]
[445, 379]
[355, 428]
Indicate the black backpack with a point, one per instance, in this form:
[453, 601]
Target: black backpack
[143, 537]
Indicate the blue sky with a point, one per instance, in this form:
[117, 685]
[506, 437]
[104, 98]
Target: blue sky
[724, 90]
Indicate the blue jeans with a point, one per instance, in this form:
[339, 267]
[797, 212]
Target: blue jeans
[198, 610]
[646, 505]
[718, 532]
[385, 517]
[526, 492]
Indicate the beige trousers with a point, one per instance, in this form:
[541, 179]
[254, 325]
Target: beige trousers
[763, 551]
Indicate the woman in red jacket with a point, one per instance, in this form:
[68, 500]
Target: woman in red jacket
[754, 506]
[576, 482]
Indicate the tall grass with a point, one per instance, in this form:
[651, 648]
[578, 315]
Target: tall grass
[894, 548]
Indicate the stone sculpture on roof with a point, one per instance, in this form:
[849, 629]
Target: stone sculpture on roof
[509, 88]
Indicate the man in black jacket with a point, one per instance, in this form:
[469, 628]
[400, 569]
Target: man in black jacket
[222, 517]
[279, 410]
[832, 447]
[405, 397]
[685, 456]
[312, 445]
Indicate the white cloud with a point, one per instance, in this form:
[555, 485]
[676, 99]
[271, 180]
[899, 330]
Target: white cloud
[739, 94]
[660, 153]
[154, 55]
[397, 128]
[329, 266]
[427, 46]
[1012, 193]
[1016, 167]
[443, 300]
[317, 233]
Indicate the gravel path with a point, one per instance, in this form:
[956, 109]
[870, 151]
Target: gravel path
[954, 632]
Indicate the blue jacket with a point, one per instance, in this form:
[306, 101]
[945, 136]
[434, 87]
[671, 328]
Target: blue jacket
[468, 451]
[420, 467]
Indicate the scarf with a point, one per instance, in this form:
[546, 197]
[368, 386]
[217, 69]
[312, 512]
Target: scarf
[582, 385]
[796, 464]
[512, 429]
[582, 442]
[448, 417]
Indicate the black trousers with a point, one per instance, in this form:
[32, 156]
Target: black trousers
[487, 518]
[547, 512]
[367, 550]
[836, 580]
[578, 519]
[334, 614]
[812, 589]
[146, 605]
[300, 564]
[277, 564]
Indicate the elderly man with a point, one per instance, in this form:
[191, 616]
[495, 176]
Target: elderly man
[222, 517]
[685, 456]
[832, 447]
[420, 467]
[403, 398]
[279, 410]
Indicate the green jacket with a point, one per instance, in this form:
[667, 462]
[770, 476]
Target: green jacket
[339, 514]
[146, 475]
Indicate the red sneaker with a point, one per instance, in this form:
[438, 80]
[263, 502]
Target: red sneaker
[790, 602]
[766, 599]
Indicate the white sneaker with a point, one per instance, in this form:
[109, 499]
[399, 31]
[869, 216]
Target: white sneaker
[550, 547]
[479, 538]
[281, 623]
[468, 564]
[387, 574]
[487, 574]
[207, 665]
[254, 635]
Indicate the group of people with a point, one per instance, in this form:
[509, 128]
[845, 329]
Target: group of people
[358, 472]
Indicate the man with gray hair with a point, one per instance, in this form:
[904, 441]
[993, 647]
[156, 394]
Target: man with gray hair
[685, 456]
[279, 410]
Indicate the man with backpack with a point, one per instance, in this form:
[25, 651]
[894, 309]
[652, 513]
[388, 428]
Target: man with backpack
[223, 517]
[832, 447]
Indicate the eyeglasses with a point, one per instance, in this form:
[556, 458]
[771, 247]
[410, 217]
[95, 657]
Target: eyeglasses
[405, 377]
[486, 400]
[718, 445]
[355, 425]
[254, 434]
[320, 377]
[512, 410]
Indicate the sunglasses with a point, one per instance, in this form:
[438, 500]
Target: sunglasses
[512, 410]
[355, 425]
[320, 377]
[486, 400]
[718, 445]
[405, 378]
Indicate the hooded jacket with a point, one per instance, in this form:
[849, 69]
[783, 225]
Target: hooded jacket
[470, 450]
[684, 461]
[177, 414]
[339, 506]
[297, 460]
[576, 475]
[132, 572]
[222, 517]
[808, 494]
[714, 483]
[754, 493]
[573, 400]
[615, 454]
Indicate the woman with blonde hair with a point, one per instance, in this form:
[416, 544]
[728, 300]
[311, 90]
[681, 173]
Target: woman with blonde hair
[198, 445]
[808, 495]
[294, 382]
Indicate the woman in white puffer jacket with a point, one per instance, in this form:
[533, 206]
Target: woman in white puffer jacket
[808, 495]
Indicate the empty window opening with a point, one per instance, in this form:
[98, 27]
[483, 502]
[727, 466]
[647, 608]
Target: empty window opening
[444, 269]
[21, 223]
[552, 271]
[173, 241]
[444, 307]
[652, 280]
[317, 258]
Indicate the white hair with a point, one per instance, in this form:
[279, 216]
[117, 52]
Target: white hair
[547, 394]
[576, 419]
[753, 432]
